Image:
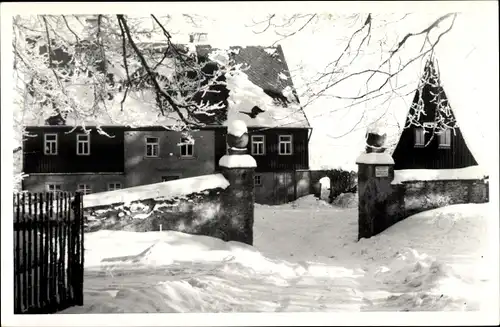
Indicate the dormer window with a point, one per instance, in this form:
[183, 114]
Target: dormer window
[445, 139]
[419, 137]
[198, 37]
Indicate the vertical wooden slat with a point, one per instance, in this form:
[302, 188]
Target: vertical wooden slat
[79, 250]
[24, 254]
[29, 272]
[63, 249]
[46, 262]
[55, 245]
[17, 257]
[36, 251]
[69, 268]
[52, 249]
[59, 233]
[55, 282]
[64, 245]
[43, 251]
[82, 250]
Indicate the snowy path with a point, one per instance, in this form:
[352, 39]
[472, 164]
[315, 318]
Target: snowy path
[305, 258]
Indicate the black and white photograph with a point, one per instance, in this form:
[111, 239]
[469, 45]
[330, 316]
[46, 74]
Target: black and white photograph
[268, 162]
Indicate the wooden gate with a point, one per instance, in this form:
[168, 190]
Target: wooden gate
[284, 187]
[48, 252]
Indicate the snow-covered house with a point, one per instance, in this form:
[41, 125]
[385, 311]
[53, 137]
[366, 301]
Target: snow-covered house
[432, 139]
[142, 151]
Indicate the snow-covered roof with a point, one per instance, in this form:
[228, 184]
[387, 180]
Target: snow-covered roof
[261, 84]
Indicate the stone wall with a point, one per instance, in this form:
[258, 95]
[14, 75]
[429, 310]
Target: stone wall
[225, 213]
[196, 213]
[420, 196]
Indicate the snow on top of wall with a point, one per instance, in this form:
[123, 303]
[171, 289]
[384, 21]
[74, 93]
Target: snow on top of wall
[237, 128]
[244, 95]
[238, 161]
[162, 190]
[472, 172]
[375, 158]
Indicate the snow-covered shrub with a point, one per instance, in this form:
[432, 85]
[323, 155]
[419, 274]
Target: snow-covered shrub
[343, 181]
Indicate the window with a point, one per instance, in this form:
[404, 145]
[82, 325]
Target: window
[258, 145]
[50, 148]
[186, 147]
[419, 137]
[53, 187]
[445, 139]
[152, 147]
[83, 144]
[257, 180]
[84, 188]
[114, 186]
[285, 145]
[169, 178]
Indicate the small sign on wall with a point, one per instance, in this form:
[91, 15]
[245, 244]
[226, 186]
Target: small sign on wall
[381, 171]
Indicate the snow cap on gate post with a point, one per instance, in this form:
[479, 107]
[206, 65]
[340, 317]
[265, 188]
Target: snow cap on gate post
[375, 174]
[238, 167]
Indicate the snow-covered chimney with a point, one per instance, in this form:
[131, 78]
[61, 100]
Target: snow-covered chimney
[198, 38]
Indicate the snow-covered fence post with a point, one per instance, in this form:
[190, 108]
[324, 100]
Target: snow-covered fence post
[238, 199]
[375, 174]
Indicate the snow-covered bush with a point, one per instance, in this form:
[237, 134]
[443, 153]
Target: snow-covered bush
[342, 182]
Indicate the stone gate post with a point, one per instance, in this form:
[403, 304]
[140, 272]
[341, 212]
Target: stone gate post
[238, 200]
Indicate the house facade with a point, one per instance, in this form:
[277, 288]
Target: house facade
[57, 160]
[432, 140]
[61, 157]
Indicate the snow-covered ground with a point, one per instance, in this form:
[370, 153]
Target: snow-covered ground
[305, 258]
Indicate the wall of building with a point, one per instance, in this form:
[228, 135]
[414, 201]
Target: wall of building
[106, 153]
[69, 182]
[141, 170]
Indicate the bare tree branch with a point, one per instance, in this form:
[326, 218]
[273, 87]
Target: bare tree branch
[159, 92]
[69, 28]
[285, 36]
[124, 49]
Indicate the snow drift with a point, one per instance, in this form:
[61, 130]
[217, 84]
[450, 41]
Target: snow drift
[306, 258]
